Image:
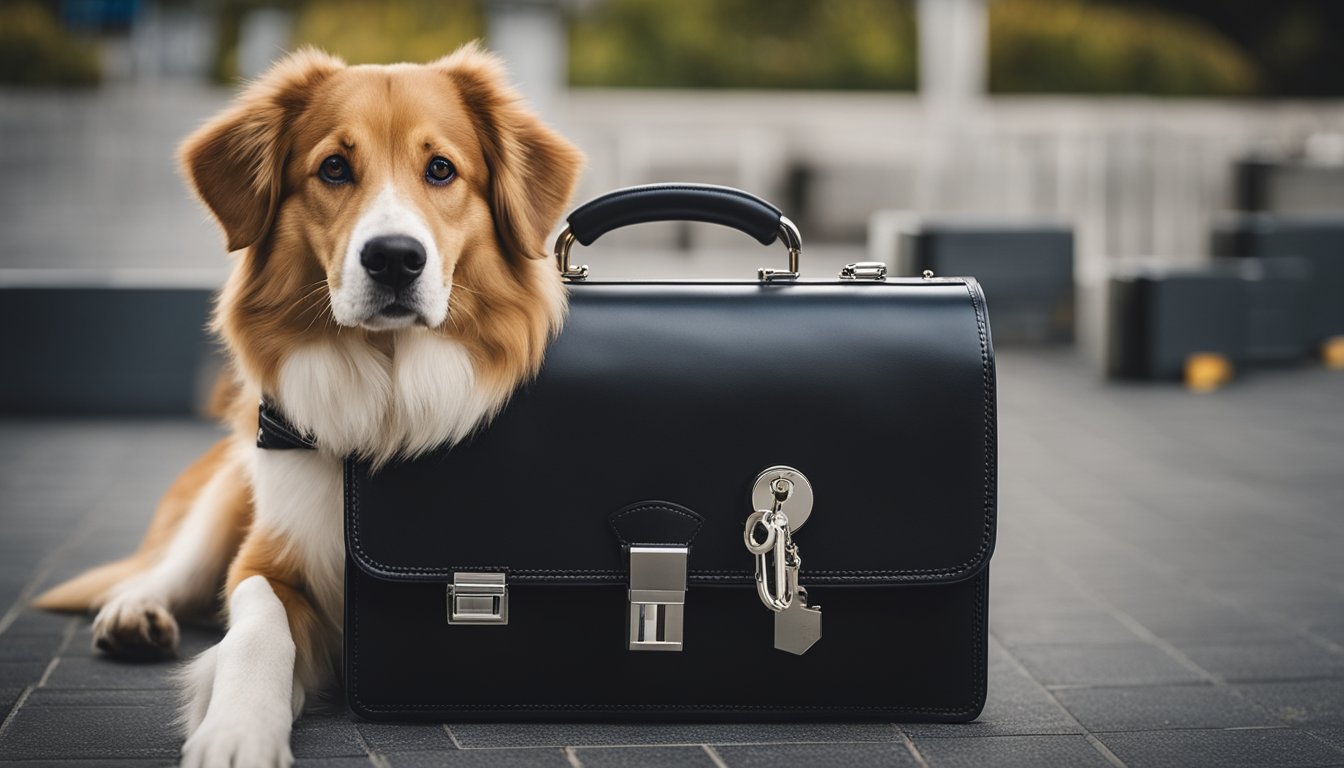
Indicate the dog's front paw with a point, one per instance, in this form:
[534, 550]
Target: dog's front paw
[135, 626]
[238, 743]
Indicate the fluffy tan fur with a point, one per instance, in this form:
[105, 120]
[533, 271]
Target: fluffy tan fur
[254, 166]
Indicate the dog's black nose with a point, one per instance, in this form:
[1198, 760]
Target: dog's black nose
[393, 260]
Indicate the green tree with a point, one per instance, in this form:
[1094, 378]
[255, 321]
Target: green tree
[853, 44]
[36, 50]
[1074, 46]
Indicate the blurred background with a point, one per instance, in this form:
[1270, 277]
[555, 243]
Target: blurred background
[1148, 181]
[1150, 191]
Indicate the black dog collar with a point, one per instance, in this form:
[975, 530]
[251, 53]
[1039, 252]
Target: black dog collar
[275, 431]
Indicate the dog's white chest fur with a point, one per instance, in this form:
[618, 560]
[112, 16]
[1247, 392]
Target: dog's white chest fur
[355, 399]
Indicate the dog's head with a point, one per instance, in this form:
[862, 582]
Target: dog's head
[381, 197]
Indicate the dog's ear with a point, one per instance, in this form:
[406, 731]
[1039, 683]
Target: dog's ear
[532, 168]
[235, 161]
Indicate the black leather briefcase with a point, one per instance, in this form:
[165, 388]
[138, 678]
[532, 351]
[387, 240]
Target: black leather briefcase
[762, 499]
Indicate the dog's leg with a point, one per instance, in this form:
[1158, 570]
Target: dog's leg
[137, 617]
[284, 632]
[248, 682]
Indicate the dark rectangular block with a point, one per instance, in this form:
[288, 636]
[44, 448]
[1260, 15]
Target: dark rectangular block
[1159, 317]
[1317, 240]
[1150, 708]
[105, 349]
[1278, 747]
[1025, 267]
[1011, 751]
[1288, 186]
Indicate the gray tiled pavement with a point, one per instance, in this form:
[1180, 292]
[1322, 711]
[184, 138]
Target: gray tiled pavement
[1168, 590]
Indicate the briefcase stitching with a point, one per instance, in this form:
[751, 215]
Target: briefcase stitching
[902, 574]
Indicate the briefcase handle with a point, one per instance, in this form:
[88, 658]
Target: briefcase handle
[730, 207]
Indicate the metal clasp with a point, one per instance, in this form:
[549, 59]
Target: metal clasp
[864, 270]
[657, 597]
[478, 598]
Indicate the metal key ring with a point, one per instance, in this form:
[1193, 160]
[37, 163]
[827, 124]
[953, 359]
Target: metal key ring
[748, 535]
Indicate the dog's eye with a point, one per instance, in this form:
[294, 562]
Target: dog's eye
[334, 170]
[439, 171]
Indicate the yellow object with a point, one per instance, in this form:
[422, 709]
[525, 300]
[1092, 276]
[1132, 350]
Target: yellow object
[1206, 371]
[1332, 353]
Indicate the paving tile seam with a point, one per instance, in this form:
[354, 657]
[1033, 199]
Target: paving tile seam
[912, 749]
[1162, 644]
[1103, 750]
[714, 756]
[28, 690]
[1133, 624]
[1095, 743]
[14, 711]
[45, 567]
[362, 742]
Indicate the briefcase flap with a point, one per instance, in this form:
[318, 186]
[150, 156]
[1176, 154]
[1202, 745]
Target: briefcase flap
[676, 396]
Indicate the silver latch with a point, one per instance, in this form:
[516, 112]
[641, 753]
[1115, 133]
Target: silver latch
[478, 598]
[657, 597]
[864, 270]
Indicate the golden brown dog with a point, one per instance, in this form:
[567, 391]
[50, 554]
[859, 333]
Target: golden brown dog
[389, 296]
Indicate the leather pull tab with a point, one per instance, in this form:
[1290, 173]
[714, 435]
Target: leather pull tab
[655, 523]
[655, 539]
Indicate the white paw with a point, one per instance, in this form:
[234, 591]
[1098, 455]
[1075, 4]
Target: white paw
[131, 624]
[238, 743]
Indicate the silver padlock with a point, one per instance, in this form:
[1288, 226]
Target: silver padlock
[783, 500]
[798, 627]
